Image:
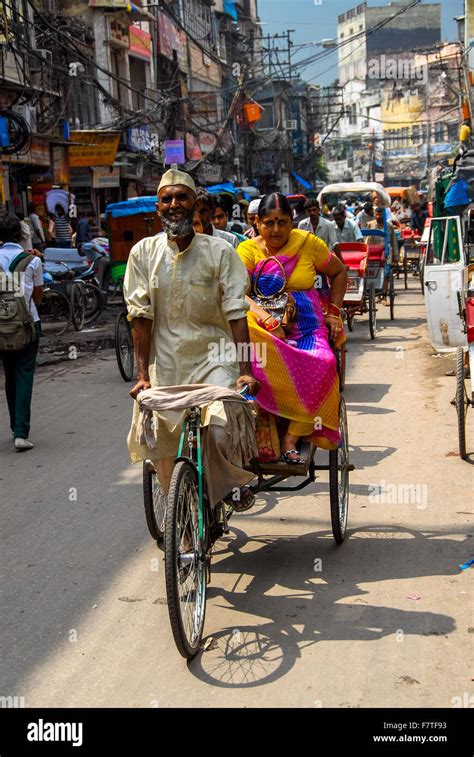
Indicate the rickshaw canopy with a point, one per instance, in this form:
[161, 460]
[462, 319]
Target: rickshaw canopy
[355, 187]
[132, 207]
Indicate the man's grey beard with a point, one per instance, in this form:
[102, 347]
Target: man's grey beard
[176, 229]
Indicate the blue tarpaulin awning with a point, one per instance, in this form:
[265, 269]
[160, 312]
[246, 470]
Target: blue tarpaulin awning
[230, 9]
[132, 207]
[301, 181]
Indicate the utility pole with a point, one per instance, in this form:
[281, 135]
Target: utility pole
[428, 120]
[274, 51]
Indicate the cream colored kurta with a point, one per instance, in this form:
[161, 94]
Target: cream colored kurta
[191, 296]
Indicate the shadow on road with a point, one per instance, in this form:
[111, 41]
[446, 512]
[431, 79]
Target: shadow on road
[297, 602]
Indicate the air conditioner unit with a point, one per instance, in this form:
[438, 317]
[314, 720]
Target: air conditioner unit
[291, 125]
[28, 112]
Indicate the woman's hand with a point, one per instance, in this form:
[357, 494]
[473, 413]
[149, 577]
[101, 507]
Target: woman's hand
[335, 326]
[253, 384]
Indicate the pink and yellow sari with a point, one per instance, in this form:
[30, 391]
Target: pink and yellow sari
[298, 376]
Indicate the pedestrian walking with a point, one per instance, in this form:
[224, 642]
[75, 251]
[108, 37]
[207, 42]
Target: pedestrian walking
[59, 228]
[37, 231]
[19, 326]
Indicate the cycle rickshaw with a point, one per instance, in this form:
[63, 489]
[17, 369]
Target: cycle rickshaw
[189, 527]
[366, 263]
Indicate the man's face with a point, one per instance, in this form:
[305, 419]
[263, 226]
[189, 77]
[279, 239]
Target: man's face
[176, 208]
[379, 217]
[340, 219]
[314, 211]
[220, 219]
[205, 214]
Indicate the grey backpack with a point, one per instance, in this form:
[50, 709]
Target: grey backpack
[17, 328]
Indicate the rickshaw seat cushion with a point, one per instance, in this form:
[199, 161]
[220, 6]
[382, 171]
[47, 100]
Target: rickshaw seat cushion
[355, 260]
[353, 247]
[68, 255]
[376, 252]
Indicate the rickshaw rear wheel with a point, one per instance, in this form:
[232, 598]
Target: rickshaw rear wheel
[341, 366]
[185, 561]
[462, 402]
[405, 271]
[350, 321]
[124, 347]
[77, 306]
[339, 479]
[372, 313]
[154, 500]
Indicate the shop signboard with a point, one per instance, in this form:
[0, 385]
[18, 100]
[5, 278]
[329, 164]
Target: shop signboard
[140, 43]
[117, 4]
[168, 36]
[174, 151]
[37, 155]
[138, 139]
[80, 177]
[206, 142]
[105, 177]
[60, 165]
[444, 148]
[210, 173]
[93, 148]
[193, 151]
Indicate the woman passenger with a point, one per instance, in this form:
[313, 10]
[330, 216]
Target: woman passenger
[298, 379]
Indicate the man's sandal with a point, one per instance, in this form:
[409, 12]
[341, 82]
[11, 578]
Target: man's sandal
[285, 458]
[246, 501]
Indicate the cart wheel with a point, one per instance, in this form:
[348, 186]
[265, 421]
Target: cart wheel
[339, 479]
[154, 500]
[124, 347]
[341, 367]
[372, 313]
[350, 321]
[185, 561]
[421, 274]
[55, 308]
[462, 402]
[391, 294]
[405, 271]
[77, 306]
[94, 302]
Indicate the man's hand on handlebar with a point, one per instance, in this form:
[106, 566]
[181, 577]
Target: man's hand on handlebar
[253, 384]
[140, 386]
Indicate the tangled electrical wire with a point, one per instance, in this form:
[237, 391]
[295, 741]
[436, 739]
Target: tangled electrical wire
[19, 133]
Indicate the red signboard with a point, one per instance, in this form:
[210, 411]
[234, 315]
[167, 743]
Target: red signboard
[167, 36]
[140, 43]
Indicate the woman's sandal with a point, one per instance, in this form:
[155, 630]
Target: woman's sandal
[286, 459]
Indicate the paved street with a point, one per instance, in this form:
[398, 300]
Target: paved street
[386, 621]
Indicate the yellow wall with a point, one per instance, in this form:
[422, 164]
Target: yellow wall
[398, 114]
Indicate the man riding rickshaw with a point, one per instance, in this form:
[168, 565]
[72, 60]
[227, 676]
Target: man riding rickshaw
[199, 310]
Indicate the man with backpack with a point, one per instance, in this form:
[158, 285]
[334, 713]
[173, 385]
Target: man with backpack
[21, 288]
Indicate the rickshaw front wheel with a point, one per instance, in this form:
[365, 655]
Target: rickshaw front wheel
[462, 402]
[185, 560]
[339, 468]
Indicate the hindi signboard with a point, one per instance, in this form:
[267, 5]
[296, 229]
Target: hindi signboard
[174, 151]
